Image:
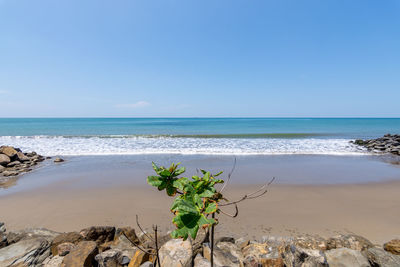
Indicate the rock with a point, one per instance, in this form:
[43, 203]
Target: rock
[2, 168]
[380, 257]
[10, 173]
[53, 262]
[355, 242]
[310, 242]
[176, 252]
[22, 157]
[69, 238]
[3, 240]
[13, 163]
[344, 257]
[100, 234]
[139, 258]
[231, 248]
[82, 256]
[225, 239]
[221, 258]
[8, 151]
[4, 159]
[393, 246]
[2, 227]
[57, 160]
[297, 256]
[108, 258]
[28, 252]
[147, 264]
[16, 236]
[261, 255]
[128, 232]
[200, 261]
[64, 248]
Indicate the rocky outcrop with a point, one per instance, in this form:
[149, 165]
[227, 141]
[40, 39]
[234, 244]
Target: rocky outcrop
[386, 144]
[14, 162]
[107, 246]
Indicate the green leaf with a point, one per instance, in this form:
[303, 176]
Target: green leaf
[206, 176]
[171, 191]
[184, 206]
[179, 171]
[154, 180]
[208, 192]
[180, 183]
[155, 167]
[165, 173]
[162, 186]
[211, 208]
[218, 174]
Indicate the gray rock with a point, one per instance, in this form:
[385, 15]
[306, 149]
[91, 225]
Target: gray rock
[298, 256]
[100, 234]
[3, 240]
[225, 239]
[30, 252]
[4, 159]
[221, 258]
[2, 227]
[344, 257]
[380, 257]
[16, 236]
[10, 173]
[176, 252]
[2, 168]
[108, 258]
[147, 264]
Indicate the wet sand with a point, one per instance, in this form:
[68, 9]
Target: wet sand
[98, 197]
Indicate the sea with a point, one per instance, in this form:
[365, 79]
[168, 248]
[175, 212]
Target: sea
[193, 136]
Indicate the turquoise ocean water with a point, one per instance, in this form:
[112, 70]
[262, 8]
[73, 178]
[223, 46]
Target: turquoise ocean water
[103, 136]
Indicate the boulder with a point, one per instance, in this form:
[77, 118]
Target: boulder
[225, 239]
[27, 252]
[344, 257]
[297, 256]
[221, 258]
[16, 236]
[14, 163]
[57, 160]
[82, 256]
[4, 160]
[108, 258]
[147, 264]
[351, 241]
[99, 234]
[2, 227]
[22, 157]
[139, 258]
[2, 168]
[53, 261]
[310, 242]
[10, 173]
[393, 246]
[256, 254]
[231, 248]
[71, 238]
[176, 252]
[380, 257]
[8, 151]
[65, 248]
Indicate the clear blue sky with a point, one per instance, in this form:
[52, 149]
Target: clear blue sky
[127, 58]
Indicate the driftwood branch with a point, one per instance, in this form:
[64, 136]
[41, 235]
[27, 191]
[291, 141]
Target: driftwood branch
[141, 229]
[231, 215]
[229, 176]
[256, 194]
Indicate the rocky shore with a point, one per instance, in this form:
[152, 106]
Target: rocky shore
[108, 246]
[386, 144]
[14, 162]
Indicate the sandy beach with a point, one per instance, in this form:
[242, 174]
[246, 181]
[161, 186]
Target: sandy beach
[87, 198]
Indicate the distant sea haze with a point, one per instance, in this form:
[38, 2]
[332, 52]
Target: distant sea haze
[225, 136]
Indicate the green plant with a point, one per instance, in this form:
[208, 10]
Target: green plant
[197, 198]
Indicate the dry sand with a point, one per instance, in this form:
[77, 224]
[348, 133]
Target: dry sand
[371, 210]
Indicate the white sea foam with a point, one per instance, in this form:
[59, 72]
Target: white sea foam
[59, 145]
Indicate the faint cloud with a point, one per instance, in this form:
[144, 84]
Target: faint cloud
[3, 92]
[140, 104]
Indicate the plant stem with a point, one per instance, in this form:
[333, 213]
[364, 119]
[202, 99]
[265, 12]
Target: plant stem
[155, 237]
[212, 243]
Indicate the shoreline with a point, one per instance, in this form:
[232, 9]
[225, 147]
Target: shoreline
[369, 210]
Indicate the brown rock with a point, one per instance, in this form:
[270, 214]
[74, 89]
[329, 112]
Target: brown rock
[57, 160]
[71, 237]
[64, 248]
[21, 157]
[129, 233]
[82, 256]
[354, 242]
[262, 255]
[8, 150]
[4, 159]
[100, 234]
[139, 258]
[393, 246]
[14, 163]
